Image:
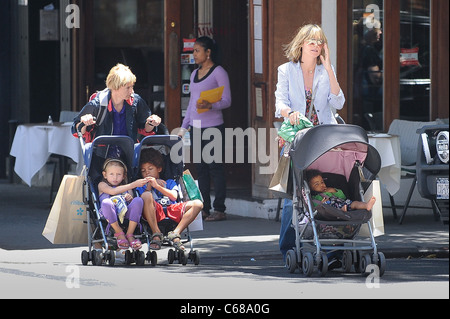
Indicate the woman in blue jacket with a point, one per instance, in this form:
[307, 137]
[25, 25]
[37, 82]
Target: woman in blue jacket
[307, 85]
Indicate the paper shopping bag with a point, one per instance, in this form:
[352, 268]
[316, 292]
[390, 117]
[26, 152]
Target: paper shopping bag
[192, 190]
[66, 221]
[280, 179]
[377, 221]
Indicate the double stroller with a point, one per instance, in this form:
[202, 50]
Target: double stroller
[323, 235]
[102, 246]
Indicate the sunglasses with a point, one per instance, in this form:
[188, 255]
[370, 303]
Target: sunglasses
[315, 42]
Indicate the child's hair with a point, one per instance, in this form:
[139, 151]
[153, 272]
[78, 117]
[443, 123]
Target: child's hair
[116, 162]
[311, 173]
[152, 156]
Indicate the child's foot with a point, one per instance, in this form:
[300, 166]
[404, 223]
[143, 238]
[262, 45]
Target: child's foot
[122, 242]
[370, 203]
[134, 243]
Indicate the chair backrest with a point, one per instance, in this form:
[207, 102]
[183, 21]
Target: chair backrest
[407, 131]
[67, 116]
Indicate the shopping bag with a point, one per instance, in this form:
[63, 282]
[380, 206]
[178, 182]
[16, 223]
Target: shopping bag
[197, 224]
[377, 221]
[66, 221]
[191, 187]
[280, 179]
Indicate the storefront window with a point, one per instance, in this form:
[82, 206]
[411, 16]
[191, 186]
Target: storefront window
[368, 64]
[415, 60]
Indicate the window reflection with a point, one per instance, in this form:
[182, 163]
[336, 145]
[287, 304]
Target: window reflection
[368, 64]
[415, 60]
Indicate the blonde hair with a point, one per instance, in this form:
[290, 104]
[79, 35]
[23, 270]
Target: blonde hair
[293, 50]
[119, 76]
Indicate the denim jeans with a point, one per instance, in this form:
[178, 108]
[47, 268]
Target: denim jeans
[287, 233]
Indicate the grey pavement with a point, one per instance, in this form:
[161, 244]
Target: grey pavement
[24, 212]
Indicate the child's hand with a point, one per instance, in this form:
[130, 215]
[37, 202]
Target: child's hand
[128, 197]
[140, 182]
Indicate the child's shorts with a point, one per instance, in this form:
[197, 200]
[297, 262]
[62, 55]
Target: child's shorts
[339, 203]
[175, 212]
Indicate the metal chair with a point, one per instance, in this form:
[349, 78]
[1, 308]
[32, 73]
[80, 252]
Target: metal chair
[407, 132]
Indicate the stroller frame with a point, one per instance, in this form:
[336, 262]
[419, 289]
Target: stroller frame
[360, 253]
[106, 254]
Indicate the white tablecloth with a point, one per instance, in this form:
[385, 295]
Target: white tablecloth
[34, 143]
[389, 148]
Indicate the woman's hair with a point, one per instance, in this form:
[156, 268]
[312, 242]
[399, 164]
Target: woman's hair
[293, 50]
[209, 44]
[116, 162]
[152, 156]
[119, 76]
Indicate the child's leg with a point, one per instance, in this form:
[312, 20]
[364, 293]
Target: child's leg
[109, 212]
[149, 212]
[193, 208]
[362, 205]
[134, 214]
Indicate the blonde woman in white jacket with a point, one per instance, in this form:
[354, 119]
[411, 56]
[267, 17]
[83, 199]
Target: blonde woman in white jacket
[307, 84]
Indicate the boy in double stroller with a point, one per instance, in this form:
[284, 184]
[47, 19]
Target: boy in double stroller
[160, 201]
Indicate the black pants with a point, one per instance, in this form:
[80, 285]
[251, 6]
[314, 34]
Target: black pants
[214, 171]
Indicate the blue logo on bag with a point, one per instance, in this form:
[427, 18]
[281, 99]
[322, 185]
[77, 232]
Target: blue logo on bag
[80, 212]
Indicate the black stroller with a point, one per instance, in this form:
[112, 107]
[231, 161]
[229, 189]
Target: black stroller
[171, 148]
[102, 244]
[348, 162]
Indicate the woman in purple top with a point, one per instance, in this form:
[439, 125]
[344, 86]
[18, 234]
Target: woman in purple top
[202, 115]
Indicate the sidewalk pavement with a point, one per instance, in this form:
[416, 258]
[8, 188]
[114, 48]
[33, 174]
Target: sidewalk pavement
[24, 211]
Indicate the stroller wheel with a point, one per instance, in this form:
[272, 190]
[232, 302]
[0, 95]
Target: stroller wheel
[171, 256]
[322, 266]
[347, 261]
[196, 257]
[364, 262]
[308, 264]
[291, 261]
[381, 263]
[97, 258]
[84, 257]
[140, 258]
[152, 257]
[182, 257]
[111, 258]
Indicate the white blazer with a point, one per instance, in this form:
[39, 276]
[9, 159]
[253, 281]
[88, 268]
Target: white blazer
[291, 92]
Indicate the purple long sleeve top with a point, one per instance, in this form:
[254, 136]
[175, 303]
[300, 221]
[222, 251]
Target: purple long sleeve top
[215, 78]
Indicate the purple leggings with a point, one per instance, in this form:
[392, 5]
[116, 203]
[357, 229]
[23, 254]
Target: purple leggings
[133, 213]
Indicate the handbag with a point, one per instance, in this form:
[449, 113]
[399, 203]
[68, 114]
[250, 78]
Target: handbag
[280, 179]
[192, 190]
[377, 221]
[66, 223]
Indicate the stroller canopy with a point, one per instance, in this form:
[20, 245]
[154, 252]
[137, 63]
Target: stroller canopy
[336, 147]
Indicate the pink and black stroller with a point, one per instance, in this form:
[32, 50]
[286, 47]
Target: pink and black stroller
[324, 234]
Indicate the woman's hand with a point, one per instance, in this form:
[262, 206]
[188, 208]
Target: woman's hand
[204, 105]
[88, 119]
[326, 58]
[294, 118]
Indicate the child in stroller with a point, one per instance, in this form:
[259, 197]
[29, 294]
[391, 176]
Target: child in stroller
[159, 194]
[332, 196]
[114, 184]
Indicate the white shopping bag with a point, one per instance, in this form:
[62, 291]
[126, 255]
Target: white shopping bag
[376, 221]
